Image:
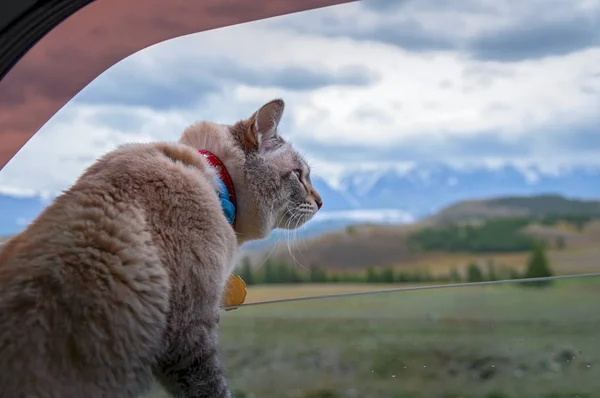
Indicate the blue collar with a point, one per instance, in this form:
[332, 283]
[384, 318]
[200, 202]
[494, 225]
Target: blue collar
[226, 205]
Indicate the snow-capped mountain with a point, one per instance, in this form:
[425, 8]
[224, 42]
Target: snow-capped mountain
[389, 195]
[423, 190]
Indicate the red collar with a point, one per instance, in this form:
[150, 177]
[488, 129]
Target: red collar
[223, 174]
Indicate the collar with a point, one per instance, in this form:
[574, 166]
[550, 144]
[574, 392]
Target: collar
[226, 190]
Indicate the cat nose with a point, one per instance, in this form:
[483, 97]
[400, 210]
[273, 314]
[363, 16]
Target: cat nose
[319, 202]
[316, 197]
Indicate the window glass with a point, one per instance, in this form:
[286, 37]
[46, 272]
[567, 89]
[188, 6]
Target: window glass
[452, 144]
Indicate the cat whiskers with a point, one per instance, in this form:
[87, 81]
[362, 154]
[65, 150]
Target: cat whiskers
[298, 220]
[309, 210]
[277, 244]
[303, 213]
[297, 231]
[289, 232]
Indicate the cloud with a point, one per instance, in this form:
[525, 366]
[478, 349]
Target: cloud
[387, 6]
[22, 221]
[294, 78]
[406, 32]
[409, 35]
[391, 216]
[485, 30]
[538, 38]
[550, 145]
[384, 6]
[117, 119]
[129, 86]
[157, 80]
[55, 157]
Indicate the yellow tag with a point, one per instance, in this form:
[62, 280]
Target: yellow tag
[235, 292]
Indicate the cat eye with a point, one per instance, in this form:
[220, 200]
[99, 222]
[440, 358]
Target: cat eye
[298, 173]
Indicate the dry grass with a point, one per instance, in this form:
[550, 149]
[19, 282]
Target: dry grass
[443, 263]
[563, 262]
[353, 249]
[350, 249]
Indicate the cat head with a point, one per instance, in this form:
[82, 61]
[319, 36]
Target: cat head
[271, 179]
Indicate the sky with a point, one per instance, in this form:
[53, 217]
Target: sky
[368, 84]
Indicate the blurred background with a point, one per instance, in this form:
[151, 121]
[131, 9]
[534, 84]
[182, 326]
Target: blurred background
[451, 143]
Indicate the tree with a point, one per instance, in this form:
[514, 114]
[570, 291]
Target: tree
[317, 275]
[282, 273]
[269, 272]
[491, 270]
[246, 271]
[579, 222]
[294, 275]
[387, 275]
[455, 276]
[426, 276]
[538, 266]
[371, 275]
[474, 274]
[513, 274]
[402, 277]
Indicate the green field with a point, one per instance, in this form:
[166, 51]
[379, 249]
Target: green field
[473, 342]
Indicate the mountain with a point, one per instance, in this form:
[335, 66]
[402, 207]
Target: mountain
[425, 189]
[337, 199]
[537, 205]
[387, 195]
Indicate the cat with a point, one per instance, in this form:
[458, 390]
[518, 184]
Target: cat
[118, 283]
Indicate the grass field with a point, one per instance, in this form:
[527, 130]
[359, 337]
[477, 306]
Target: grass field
[474, 342]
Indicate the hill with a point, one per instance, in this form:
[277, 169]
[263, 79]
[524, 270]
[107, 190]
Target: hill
[515, 206]
[498, 228]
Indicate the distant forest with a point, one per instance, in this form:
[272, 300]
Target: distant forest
[277, 272]
[496, 235]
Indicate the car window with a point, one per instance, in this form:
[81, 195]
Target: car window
[454, 147]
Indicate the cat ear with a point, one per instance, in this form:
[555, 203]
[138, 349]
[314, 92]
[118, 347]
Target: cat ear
[264, 123]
